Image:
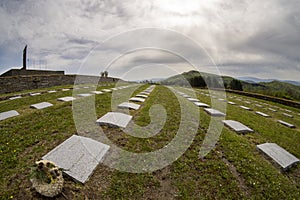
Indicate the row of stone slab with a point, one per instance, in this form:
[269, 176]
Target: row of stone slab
[117, 119]
[79, 156]
[280, 156]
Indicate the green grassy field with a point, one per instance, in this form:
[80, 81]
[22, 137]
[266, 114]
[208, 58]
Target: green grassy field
[233, 170]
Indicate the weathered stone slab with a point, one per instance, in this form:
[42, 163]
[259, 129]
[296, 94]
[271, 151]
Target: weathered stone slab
[41, 105]
[186, 96]
[78, 156]
[237, 126]
[145, 93]
[258, 105]
[273, 110]
[244, 107]
[282, 157]
[137, 99]
[142, 96]
[220, 99]
[84, 95]
[34, 94]
[200, 104]
[16, 97]
[231, 103]
[96, 92]
[106, 90]
[262, 114]
[114, 119]
[193, 99]
[214, 112]
[51, 91]
[128, 105]
[288, 115]
[8, 114]
[66, 99]
[65, 89]
[288, 110]
[286, 124]
[114, 89]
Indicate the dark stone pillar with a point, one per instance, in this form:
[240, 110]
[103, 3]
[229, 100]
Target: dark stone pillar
[24, 57]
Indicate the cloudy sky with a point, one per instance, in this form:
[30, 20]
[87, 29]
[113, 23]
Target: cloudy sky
[241, 37]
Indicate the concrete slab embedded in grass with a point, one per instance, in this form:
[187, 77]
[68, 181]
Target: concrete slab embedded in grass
[8, 114]
[114, 119]
[41, 105]
[129, 105]
[78, 156]
[278, 154]
[237, 126]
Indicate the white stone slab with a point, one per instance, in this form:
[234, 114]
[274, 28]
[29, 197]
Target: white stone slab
[193, 99]
[16, 97]
[78, 156]
[186, 96]
[66, 99]
[41, 105]
[288, 110]
[84, 95]
[96, 92]
[34, 94]
[106, 90]
[200, 104]
[258, 105]
[214, 112]
[8, 114]
[244, 107]
[145, 93]
[288, 115]
[286, 124]
[262, 114]
[86, 87]
[247, 102]
[137, 99]
[114, 119]
[51, 91]
[237, 126]
[66, 89]
[273, 110]
[231, 103]
[142, 96]
[114, 88]
[128, 105]
[220, 99]
[278, 154]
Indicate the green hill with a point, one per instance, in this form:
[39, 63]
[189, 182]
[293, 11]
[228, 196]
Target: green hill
[274, 88]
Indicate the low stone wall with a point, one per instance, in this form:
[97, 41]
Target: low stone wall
[21, 83]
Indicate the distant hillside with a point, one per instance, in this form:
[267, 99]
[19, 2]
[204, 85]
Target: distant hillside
[272, 88]
[250, 79]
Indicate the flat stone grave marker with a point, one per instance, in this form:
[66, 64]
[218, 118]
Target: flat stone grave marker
[186, 96]
[288, 110]
[66, 89]
[193, 99]
[244, 107]
[282, 157]
[114, 119]
[231, 103]
[16, 97]
[286, 124]
[200, 104]
[141, 95]
[78, 156]
[137, 99]
[220, 99]
[106, 90]
[86, 87]
[114, 88]
[41, 105]
[145, 93]
[262, 114]
[288, 115]
[96, 92]
[66, 99]
[84, 95]
[8, 114]
[51, 91]
[247, 102]
[34, 94]
[273, 110]
[237, 126]
[258, 105]
[128, 105]
[214, 112]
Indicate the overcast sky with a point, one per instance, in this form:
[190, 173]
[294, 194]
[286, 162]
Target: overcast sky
[242, 37]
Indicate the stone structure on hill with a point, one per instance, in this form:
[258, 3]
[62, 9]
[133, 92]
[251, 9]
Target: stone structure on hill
[25, 72]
